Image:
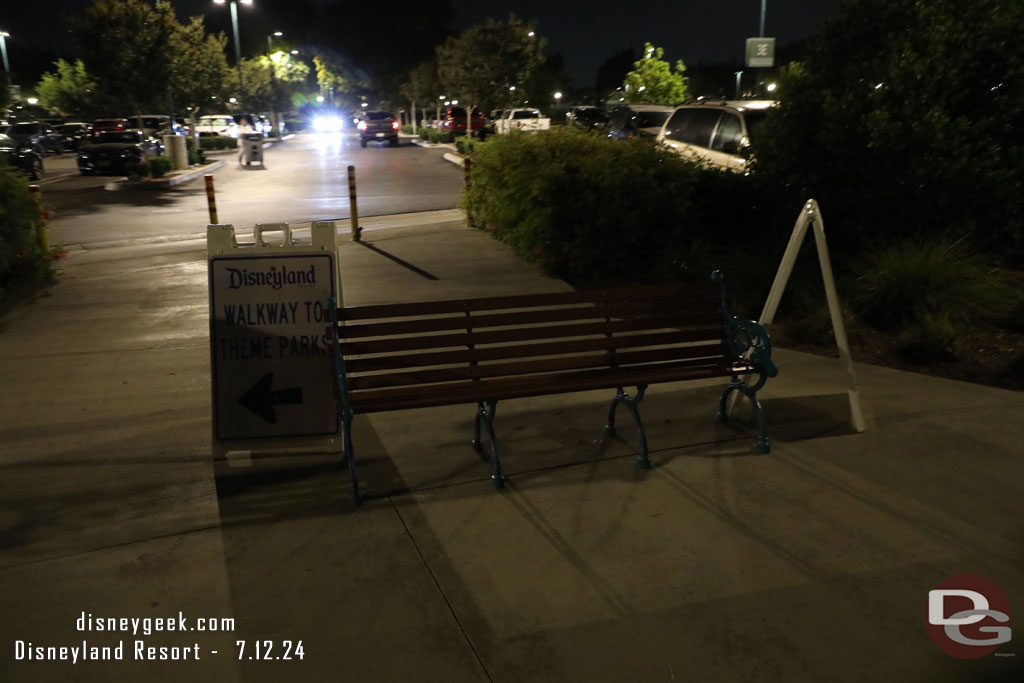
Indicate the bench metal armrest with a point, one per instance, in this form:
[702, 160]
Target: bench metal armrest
[748, 340]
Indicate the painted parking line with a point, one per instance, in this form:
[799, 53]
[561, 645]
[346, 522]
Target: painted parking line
[55, 179]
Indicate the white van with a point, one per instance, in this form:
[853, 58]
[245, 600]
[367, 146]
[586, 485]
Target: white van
[715, 133]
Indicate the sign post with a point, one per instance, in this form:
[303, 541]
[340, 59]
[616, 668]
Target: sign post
[271, 379]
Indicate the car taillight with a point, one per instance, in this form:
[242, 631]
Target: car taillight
[394, 125]
[362, 125]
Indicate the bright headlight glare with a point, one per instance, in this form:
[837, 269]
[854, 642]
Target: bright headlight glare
[327, 124]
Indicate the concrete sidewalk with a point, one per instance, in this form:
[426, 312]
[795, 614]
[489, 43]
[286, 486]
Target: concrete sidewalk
[811, 563]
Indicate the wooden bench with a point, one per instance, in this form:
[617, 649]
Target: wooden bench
[435, 353]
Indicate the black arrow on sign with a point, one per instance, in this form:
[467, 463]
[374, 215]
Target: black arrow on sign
[261, 400]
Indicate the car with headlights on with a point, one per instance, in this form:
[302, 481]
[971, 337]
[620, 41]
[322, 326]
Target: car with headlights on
[113, 151]
[21, 157]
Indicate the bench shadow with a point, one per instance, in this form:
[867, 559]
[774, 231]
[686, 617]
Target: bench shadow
[801, 418]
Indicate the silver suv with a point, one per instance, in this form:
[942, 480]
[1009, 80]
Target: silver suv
[715, 133]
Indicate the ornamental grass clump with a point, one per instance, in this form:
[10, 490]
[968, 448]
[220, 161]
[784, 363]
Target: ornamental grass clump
[926, 292]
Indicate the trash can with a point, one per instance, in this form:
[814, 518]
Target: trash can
[250, 148]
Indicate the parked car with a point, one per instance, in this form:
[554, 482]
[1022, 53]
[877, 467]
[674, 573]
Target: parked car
[24, 158]
[454, 122]
[217, 124]
[149, 123]
[108, 124]
[37, 134]
[638, 120]
[590, 118]
[73, 134]
[378, 125]
[715, 133]
[525, 119]
[112, 151]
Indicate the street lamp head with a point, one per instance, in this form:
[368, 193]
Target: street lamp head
[219, 2]
[246, 2]
[278, 34]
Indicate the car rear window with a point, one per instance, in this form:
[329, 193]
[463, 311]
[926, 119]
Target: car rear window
[22, 128]
[525, 115]
[216, 121]
[378, 115]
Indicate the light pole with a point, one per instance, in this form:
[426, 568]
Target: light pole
[3, 48]
[270, 47]
[234, 28]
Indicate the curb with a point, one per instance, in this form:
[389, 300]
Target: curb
[163, 183]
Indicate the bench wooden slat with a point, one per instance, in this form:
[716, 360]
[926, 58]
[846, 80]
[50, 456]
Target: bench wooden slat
[525, 301]
[380, 400]
[623, 359]
[705, 313]
[532, 350]
[519, 334]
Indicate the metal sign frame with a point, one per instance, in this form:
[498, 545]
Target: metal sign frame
[810, 216]
[223, 246]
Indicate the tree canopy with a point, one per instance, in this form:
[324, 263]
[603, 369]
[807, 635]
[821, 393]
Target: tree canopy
[907, 118]
[654, 81]
[483, 63]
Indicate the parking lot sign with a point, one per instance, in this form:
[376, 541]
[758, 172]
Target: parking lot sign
[760, 52]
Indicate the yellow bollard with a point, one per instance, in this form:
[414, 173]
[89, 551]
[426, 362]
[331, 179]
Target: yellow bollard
[211, 202]
[356, 230]
[44, 241]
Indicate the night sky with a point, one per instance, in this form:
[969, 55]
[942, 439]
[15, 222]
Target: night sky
[584, 32]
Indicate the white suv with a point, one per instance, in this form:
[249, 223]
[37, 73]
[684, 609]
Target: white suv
[715, 133]
[217, 124]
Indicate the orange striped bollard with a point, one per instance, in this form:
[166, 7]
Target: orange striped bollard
[211, 202]
[356, 230]
[44, 241]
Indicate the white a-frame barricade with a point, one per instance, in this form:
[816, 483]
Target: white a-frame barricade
[269, 312]
[811, 216]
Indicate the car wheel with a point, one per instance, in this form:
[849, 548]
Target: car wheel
[36, 172]
[394, 142]
[362, 143]
[85, 171]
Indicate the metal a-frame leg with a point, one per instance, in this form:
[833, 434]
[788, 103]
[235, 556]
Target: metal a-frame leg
[485, 414]
[350, 455]
[631, 403]
[761, 445]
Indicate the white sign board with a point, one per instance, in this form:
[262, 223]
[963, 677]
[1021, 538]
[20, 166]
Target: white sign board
[271, 371]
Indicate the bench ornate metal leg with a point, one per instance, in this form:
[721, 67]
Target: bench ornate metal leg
[350, 455]
[485, 414]
[631, 403]
[761, 445]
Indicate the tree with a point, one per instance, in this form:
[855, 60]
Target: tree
[199, 70]
[269, 82]
[653, 81]
[69, 91]
[126, 46]
[481, 64]
[422, 86]
[906, 118]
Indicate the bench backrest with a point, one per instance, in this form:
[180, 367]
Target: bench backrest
[435, 353]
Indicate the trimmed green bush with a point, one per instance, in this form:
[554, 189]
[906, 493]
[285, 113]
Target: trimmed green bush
[159, 166]
[136, 170]
[23, 263]
[215, 142]
[588, 209]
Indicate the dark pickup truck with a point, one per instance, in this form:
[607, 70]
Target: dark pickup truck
[378, 125]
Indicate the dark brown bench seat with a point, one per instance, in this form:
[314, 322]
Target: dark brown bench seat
[417, 355]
